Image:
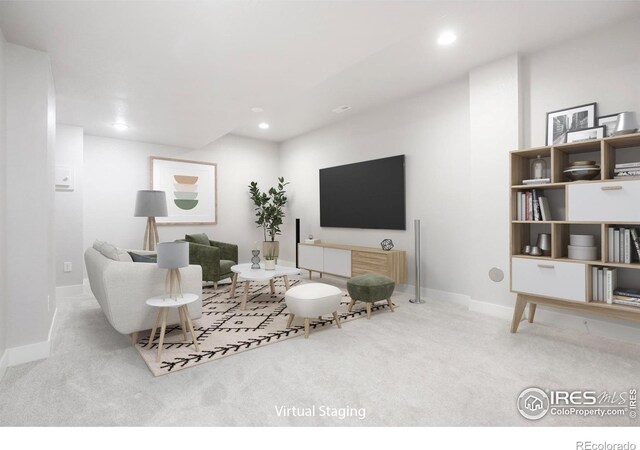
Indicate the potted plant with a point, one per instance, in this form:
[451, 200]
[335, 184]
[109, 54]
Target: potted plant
[269, 208]
[269, 262]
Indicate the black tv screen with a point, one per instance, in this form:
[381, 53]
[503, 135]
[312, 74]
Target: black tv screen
[367, 194]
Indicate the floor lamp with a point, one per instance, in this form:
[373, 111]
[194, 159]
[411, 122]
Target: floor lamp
[151, 204]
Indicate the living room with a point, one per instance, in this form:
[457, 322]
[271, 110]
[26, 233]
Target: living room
[258, 91]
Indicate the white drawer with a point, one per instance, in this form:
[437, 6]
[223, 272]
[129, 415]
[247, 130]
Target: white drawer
[556, 279]
[337, 262]
[310, 257]
[614, 201]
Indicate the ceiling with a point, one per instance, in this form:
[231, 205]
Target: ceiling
[185, 73]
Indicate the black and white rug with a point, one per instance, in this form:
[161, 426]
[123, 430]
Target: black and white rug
[225, 330]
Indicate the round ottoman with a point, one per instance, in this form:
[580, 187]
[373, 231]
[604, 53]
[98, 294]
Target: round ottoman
[312, 300]
[370, 288]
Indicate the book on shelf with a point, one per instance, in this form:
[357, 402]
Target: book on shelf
[616, 245]
[626, 173]
[627, 292]
[625, 302]
[544, 208]
[611, 283]
[537, 181]
[604, 282]
[624, 245]
[530, 204]
[636, 241]
[612, 256]
[627, 165]
[600, 293]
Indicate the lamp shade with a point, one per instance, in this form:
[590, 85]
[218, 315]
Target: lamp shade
[151, 204]
[173, 255]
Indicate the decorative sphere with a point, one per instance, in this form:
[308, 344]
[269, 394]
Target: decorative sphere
[386, 244]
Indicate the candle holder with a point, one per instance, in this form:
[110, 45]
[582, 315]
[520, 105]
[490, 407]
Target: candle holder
[255, 260]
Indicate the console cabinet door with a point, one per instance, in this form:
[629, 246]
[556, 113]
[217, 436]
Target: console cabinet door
[337, 262]
[310, 258]
[549, 278]
[615, 201]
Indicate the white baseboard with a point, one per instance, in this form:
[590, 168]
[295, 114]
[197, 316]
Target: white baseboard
[31, 352]
[69, 291]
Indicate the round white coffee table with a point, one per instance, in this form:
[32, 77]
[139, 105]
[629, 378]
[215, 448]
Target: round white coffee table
[165, 303]
[245, 273]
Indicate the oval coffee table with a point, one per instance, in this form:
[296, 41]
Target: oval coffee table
[244, 272]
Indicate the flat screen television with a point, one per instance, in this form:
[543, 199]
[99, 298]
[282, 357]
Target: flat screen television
[369, 194]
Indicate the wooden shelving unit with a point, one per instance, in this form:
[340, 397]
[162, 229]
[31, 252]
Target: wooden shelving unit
[556, 280]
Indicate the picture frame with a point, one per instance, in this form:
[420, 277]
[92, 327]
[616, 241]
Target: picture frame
[191, 190]
[563, 121]
[586, 134]
[609, 123]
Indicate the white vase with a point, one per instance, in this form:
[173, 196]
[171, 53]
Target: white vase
[269, 264]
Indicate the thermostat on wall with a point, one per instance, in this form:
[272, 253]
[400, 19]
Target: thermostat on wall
[64, 178]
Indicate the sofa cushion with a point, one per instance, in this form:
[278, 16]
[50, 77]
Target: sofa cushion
[143, 258]
[225, 266]
[201, 238]
[111, 251]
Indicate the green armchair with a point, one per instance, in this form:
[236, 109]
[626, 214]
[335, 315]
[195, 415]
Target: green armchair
[215, 258]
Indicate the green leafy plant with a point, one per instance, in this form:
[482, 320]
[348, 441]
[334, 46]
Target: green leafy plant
[269, 207]
[269, 256]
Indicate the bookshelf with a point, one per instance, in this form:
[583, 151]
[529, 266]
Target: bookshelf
[576, 207]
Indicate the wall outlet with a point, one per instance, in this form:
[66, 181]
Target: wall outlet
[67, 267]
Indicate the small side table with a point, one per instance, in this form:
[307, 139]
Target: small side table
[164, 303]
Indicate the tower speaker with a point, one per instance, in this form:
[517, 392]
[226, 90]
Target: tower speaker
[297, 239]
[416, 226]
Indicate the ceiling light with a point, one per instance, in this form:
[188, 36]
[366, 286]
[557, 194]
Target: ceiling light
[257, 109]
[447, 38]
[120, 126]
[263, 126]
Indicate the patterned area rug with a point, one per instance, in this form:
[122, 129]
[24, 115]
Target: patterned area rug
[225, 330]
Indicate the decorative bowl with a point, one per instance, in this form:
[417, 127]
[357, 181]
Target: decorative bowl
[582, 240]
[583, 253]
[582, 164]
[582, 173]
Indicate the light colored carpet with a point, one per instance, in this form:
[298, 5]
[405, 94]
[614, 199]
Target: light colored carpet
[431, 364]
[225, 330]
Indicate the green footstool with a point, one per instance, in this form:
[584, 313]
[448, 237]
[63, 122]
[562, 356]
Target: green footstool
[370, 288]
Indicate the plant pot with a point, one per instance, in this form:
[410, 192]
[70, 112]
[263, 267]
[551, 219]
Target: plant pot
[269, 264]
[271, 248]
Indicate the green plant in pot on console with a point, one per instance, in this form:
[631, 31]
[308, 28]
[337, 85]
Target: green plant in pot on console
[269, 208]
[269, 261]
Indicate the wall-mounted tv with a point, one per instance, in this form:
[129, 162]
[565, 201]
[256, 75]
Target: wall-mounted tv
[367, 194]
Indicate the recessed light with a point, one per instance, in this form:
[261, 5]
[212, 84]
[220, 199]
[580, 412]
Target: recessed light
[257, 109]
[446, 38]
[120, 126]
[263, 126]
[341, 109]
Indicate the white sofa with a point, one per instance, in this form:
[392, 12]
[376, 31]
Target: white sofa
[122, 288]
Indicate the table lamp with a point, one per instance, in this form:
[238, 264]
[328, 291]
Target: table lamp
[173, 256]
[151, 204]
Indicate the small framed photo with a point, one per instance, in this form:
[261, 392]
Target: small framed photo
[609, 123]
[587, 134]
[563, 121]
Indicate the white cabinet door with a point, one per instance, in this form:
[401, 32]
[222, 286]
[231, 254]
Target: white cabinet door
[310, 257]
[611, 201]
[337, 262]
[547, 278]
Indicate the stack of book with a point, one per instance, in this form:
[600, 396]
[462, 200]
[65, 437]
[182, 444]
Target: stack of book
[533, 206]
[627, 170]
[537, 181]
[604, 283]
[624, 245]
[626, 296]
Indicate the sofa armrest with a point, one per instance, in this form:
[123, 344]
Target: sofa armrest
[227, 251]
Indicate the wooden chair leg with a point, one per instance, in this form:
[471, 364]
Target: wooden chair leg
[532, 311]
[215, 285]
[390, 303]
[291, 316]
[286, 282]
[369, 310]
[521, 303]
[353, 302]
[272, 286]
[234, 280]
[306, 328]
[337, 319]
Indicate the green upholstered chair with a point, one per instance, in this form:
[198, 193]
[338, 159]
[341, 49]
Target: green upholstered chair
[215, 258]
[370, 288]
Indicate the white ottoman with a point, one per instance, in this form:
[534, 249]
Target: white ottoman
[312, 300]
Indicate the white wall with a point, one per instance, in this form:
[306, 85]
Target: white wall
[602, 67]
[3, 211]
[30, 126]
[68, 207]
[432, 130]
[118, 168]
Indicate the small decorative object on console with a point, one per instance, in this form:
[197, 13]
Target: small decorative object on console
[386, 244]
[582, 170]
[255, 260]
[626, 124]
[538, 168]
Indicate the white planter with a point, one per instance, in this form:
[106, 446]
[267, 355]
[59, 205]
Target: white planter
[269, 264]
